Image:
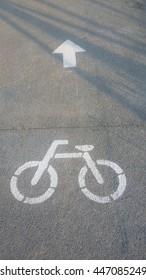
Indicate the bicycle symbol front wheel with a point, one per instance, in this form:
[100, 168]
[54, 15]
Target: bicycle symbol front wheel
[103, 199]
[33, 200]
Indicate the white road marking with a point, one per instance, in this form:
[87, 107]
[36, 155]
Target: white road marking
[96, 198]
[81, 177]
[25, 166]
[45, 165]
[122, 178]
[69, 49]
[14, 189]
[69, 155]
[104, 199]
[41, 198]
[111, 164]
[121, 188]
[92, 166]
[90, 195]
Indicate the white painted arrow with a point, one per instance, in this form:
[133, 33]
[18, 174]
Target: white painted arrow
[69, 49]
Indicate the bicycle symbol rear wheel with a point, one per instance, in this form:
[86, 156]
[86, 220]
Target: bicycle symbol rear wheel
[33, 200]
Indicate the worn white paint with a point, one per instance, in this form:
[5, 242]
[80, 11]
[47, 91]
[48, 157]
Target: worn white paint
[69, 155]
[82, 184]
[44, 165]
[111, 164]
[96, 198]
[92, 166]
[104, 199]
[121, 188]
[69, 49]
[85, 148]
[49, 192]
[34, 200]
[15, 190]
[122, 178]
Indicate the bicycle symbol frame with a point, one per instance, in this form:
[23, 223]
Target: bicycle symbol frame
[44, 165]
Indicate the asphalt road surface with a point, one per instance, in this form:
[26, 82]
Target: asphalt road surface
[84, 196]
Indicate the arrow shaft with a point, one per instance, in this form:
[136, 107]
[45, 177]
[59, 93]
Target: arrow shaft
[69, 59]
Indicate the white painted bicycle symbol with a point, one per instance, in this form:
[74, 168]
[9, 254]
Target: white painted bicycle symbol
[44, 165]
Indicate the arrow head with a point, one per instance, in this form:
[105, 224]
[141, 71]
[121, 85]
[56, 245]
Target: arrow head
[68, 46]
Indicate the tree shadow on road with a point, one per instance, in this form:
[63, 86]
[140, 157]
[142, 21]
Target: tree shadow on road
[102, 42]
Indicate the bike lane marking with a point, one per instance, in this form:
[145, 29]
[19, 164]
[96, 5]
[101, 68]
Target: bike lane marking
[81, 178]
